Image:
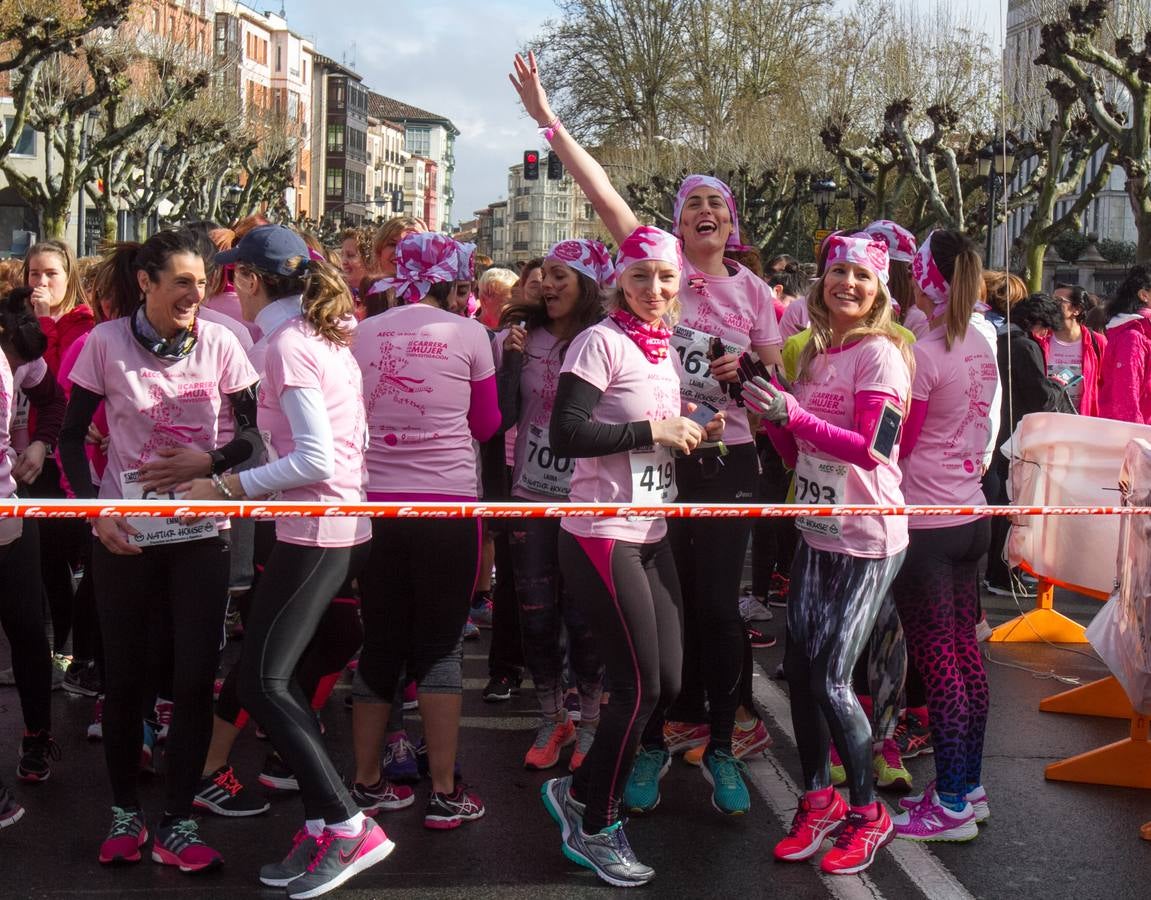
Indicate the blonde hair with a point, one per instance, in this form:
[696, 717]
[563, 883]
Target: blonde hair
[392, 230]
[503, 277]
[325, 298]
[73, 290]
[957, 260]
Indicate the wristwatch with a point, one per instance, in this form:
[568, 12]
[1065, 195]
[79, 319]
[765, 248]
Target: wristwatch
[219, 464]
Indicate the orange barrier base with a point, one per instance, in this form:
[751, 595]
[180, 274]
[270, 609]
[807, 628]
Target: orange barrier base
[1041, 624]
[1126, 763]
[1105, 698]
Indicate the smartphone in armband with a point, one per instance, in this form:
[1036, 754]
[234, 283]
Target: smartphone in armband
[887, 433]
[702, 414]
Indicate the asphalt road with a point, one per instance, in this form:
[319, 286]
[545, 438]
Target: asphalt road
[1045, 840]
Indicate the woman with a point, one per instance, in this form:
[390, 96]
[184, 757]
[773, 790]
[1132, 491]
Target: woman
[840, 433]
[937, 590]
[379, 297]
[165, 379]
[429, 390]
[900, 253]
[355, 258]
[1125, 392]
[534, 346]
[311, 406]
[1074, 353]
[726, 310]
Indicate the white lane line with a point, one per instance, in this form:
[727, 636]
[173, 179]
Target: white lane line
[918, 863]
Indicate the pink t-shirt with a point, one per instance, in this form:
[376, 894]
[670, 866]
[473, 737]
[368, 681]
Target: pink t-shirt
[237, 327]
[298, 358]
[228, 304]
[739, 309]
[633, 390]
[828, 391]
[154, 403]
[7, 453]
[537, 473]
[1062, 356]
[418, 363]
[27, 375]
[958, 385]
[916, 322]
[794, 318]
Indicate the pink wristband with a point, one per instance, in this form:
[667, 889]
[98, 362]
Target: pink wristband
[550, 130]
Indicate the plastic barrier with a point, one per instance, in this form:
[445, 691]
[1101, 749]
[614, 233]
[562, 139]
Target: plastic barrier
[1061, 459]
[1122, 637]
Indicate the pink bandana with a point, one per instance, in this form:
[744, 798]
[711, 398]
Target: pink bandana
[652, 338]
[928, 277]
[859, 249]
[465, 261]
[900, 242]
[692, 182]
[589, 257]
[422, 260]
[648, 242]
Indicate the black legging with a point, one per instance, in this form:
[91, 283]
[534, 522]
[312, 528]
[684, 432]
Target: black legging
[773, 540]
[831, 610]
[709, 556]
[22, 617]
[191, 577]
[637, 623]
[295, 591]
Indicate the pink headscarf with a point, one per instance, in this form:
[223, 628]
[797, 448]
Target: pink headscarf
[589, 257]
[648, 242]
[900, 242]
[692, 182]
[928, 277]
[859, 249]
[423, 259]
[465, 261]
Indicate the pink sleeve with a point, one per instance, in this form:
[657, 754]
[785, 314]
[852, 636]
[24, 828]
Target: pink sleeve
[484, 410]
[848, 444]
[912, 427]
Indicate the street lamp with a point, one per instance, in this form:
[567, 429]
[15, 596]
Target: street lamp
[823, 193]
[857, 191]
[996, 161]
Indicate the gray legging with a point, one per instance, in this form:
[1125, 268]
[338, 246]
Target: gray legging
[831, 610]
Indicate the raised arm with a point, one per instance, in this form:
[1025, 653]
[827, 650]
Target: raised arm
[586, 171]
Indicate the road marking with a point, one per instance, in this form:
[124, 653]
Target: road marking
[918, 863]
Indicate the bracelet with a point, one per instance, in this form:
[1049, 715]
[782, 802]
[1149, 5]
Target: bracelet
[222, 486]
[550, 130]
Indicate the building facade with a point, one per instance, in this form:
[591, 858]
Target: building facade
[540, 213]
[339, 144]
[386, 161]
[431, 137]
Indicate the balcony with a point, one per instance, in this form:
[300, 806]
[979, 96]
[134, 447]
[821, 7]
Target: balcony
[521, 246]
[523, 216]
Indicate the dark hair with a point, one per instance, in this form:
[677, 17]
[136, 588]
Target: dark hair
[749, 258]
[790, 263]
[959, 262]
[589, 306]
[1037, 309]
[1126, 299]
[19, 328]
[441, 292]
[116, 273]
[794, 282]
[531, 265]
[1081, 302]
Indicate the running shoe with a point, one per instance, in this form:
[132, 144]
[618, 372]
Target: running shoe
[11, 812]
[295, 864]
[551, 738]
[744, 743]
[500, 688]
[565, 810]
[760, 639]
[778, 591]
[584, 739]
[383, 795]
[932, 821]
[35, 752]
[223, 794]
[96, 726]
[276, 776]
[983, 630]
[339, 858]
[163, 718]
[125, 838]
[810, 828]
[60, 664]
[83, 679]
[681, 737]
[608, 853]
[858, 842]
[838, 770]
[481, 613]
[398, 761]
[889, 769]
[471, 630]
[411, 696]
[447, 811]
[977, 797]
[752, 608]
[641, 794]
[178, 844]
[913, 736]
[725, 773]
[148, 748]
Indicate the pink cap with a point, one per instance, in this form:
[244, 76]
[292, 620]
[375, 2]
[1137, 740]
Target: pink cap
[928, 277]
[692, 182]
[859, 249]
[900, 242]
[648, 242]
[423, 259]
[589, 257]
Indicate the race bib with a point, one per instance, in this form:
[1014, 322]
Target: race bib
[20, 407]
[652, 477]
[544, 471]
[153, 532]
[696, 384]
[820, 482]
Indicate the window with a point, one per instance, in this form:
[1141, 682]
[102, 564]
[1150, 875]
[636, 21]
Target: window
[336, 89]
[418, 141]
[25, 144]
[334, 184]
[335, 138]
[279, 59]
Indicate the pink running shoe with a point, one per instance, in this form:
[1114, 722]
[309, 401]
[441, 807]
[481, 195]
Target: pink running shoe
[339, 858]
[178, 844]
[683, 736]
[125, 838]
[163, 718]
[810, 828]
[932, 821]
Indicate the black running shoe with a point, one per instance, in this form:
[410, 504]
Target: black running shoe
[83, 679]
[276, 775]
[759, 638]
[35, 751]
[447, 811]
[500, 688]
[10, 811]
[223, 794]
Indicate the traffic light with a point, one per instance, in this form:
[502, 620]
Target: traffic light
[397, 201]
[531, 165]
[555, 167]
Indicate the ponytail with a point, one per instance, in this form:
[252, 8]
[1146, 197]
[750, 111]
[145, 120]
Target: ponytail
[958, 261]
[114, 280]
[19, 328]
[324, 296]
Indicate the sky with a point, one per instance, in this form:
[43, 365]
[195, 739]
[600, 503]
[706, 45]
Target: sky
[452, 57]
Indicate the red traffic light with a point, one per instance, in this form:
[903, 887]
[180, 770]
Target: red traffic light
[531, 157]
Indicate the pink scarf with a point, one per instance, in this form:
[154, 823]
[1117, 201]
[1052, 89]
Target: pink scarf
[652, 338]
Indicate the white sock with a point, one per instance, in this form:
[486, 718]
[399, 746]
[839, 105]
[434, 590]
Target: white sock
[748, 725]
[349, 827]
[315, 827]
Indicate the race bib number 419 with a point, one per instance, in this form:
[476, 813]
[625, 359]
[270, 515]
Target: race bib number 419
[652, 477]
